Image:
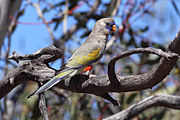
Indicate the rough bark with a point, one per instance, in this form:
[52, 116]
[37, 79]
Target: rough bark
[36, 68]
[169, 101]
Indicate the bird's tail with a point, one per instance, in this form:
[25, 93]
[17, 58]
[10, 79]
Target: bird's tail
[52, 82]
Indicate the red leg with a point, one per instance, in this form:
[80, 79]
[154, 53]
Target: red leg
[88, 68]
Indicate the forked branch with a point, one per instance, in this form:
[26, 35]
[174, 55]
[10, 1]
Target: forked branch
[37, 69]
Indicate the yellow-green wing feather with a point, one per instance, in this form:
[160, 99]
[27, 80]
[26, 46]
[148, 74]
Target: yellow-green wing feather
[79, 61]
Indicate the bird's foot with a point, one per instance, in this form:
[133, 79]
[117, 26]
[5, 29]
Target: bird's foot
[91, 76]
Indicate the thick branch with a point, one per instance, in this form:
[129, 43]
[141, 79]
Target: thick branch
[54, 53]
[111, 65]
[137, 108]
[40, 72]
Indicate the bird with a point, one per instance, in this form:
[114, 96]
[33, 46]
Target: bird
[86, 56]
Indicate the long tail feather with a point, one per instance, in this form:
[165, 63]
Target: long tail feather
[51, 83]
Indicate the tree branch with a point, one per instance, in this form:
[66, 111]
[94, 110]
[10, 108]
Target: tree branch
[83, 18]
[111, 65]
[54, 53]
[169, 101]
[40, 13]
[43, 108]
[37, 70]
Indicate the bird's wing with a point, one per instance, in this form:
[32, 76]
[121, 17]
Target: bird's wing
[84, 59]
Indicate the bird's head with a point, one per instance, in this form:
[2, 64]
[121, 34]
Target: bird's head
[105, 25]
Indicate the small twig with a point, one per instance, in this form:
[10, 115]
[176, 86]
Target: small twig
[42, 107]
[7, 54]
[65, 17]
[8, 112]
[169, 101]
[61, 94]
[111, 41]
[116, 7]
[76, 27]
[38, 9]
[1, 109]
[47, 22]
[94, 7]
[110, 99]
[7, 109]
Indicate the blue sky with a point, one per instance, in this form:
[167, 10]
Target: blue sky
[29, 38]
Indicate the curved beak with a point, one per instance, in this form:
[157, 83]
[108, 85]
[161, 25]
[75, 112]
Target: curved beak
[114, 28]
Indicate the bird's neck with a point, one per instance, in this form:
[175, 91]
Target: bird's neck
[100, 40]
[99, 36]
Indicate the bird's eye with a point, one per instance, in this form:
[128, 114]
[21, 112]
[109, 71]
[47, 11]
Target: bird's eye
[107, 24]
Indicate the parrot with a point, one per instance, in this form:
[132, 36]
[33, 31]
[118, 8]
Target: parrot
[86, 56]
